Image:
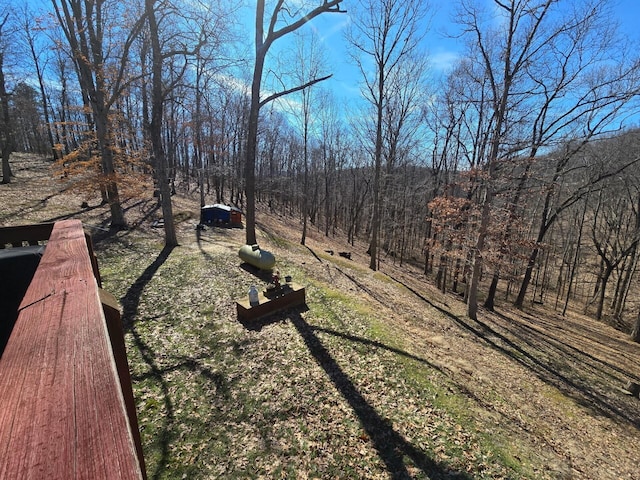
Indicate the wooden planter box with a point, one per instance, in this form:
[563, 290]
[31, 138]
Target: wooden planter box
[292, 296]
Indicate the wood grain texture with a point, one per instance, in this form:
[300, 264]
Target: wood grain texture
[62, 412]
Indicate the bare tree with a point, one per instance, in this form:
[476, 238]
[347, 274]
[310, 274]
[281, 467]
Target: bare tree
[383, 33]
[6, 133]
[459, 120]
[65, 133]
[503, 53]
[173, 50]
[580, 67]
[309, 64]
[263, 43]
[331, 144]
[402, 142]
[155, 126]
[87, 26]
[615, 232]
[550, 72]
[30, 33]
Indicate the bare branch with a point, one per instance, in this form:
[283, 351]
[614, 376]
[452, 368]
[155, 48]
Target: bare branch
[332, 6]
[310, 83]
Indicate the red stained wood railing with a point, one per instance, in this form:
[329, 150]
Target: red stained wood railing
[62, 409]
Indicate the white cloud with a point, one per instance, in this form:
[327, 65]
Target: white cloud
[444, 60]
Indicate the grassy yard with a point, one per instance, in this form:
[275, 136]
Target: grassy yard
[323, 392]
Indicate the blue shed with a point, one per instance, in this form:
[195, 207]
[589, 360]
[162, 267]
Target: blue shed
[219, 213]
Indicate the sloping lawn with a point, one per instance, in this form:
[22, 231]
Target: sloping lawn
[322, 392]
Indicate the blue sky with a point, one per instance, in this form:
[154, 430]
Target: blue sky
[329, 28]
[441, 50]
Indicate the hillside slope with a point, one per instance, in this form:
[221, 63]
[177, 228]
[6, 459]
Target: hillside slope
[381, 376]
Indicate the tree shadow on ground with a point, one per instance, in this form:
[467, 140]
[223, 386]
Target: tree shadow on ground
[314, 254]
[539, 360]
[510, 419]
[25, 210]
[192, 364]
[73, 214]
[587, 379]
[200, 241]
[102, 231]
[361, 286]
[149, 207]
[376, 344]
[353, 279]
[257, 324]
[392, 448]
[130, 303]
[542, 331]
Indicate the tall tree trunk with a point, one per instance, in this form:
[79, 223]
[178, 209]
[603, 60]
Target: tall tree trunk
[472, 300]
[250, 152]
[198, 147]
[41, 82]
[533, 256]
[375, 220]
[621, 298]
[262, 46]
[86, 42]
[305, 180]
[576, 257]
[6, 135]
[635, 334]
[305, 193]
[489, 303]
[602, 292]
[105, 143]
[626, 285]
[155, 128]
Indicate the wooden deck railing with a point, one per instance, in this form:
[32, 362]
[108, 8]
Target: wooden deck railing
[66, 403]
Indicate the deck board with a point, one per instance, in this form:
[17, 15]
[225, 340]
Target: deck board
[63, 413]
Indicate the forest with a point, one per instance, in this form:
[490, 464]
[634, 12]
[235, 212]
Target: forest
[513, 178]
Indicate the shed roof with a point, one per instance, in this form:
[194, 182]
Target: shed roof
[220, 206]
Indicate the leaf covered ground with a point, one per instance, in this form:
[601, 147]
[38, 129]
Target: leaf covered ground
[380, 376]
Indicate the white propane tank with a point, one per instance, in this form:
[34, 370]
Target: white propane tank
[253, 255]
